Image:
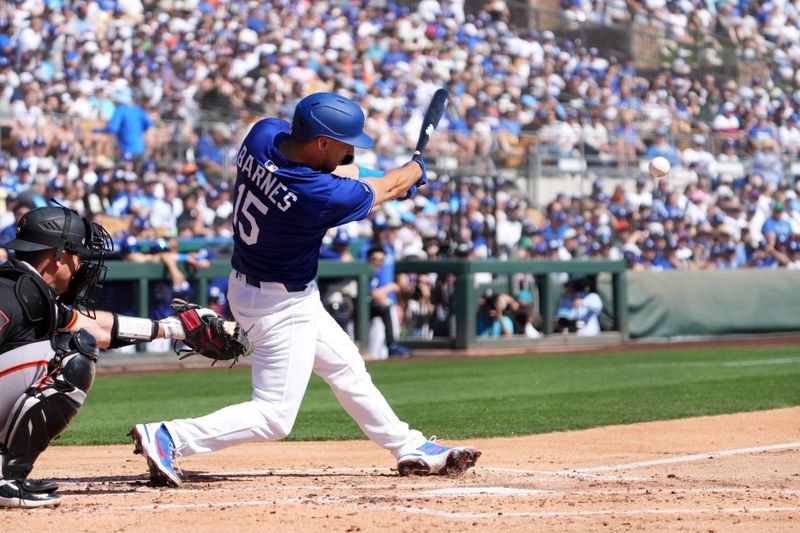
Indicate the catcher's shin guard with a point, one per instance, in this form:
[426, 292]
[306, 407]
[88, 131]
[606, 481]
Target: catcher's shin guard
[44, 411]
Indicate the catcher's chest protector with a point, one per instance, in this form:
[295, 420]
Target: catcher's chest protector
[34, 298]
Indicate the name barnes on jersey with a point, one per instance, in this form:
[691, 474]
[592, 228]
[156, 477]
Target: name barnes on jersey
[265, 180]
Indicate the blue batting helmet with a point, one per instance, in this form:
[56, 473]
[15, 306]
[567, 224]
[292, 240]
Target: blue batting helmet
[330, 115]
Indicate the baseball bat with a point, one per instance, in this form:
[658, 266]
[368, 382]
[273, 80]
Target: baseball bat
[432, 116]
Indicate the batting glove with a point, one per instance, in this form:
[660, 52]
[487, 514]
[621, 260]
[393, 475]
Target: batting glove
[410, 193]
[417, 158]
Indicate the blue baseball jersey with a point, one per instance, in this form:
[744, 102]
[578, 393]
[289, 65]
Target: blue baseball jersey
[282, 209]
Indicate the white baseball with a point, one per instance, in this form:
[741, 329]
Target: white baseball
[659, 166]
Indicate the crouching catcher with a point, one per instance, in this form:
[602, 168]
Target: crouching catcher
[50, 333]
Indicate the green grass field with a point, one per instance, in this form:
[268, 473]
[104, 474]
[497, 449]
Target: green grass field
[486, 397]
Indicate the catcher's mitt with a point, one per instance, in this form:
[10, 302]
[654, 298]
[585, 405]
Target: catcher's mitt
[209, 334]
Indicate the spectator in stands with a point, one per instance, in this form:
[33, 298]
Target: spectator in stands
[128, 124]
[789, 137]
[166, 210]
[677, 22]
[339, 249]
[443, 301]
[571, 244]
[579, 307]
[23, 156]
[794, 255]
[145, 197]
[726, 124]
[471, 134]
[190, 221]
[34, 195]
[210, 151]
[338, 295]
[9, 230]
[381, 294]
[526, 320]
[629, 143]
[697, 158]
[656, 113]
[761, 130]
[660, 147]
[571, 133]
[729, 166]
[551, 135]
[768, 164]
[419, 309]
[595, 139]
[99, 200]
[791, 212]
[492, 320]
[763, 256]
[39, 154]
[776, 227]
[122, 191]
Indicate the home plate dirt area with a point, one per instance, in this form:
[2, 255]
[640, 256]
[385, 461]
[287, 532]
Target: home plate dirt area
[725, 473]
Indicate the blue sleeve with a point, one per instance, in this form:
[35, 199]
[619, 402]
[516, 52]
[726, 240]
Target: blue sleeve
[364, 172]
[351, 200]
[385, 275]
[115, 123]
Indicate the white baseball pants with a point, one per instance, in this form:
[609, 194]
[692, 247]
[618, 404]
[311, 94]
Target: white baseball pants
[292, 335]
[20, 369]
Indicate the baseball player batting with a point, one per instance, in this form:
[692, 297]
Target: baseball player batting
[286, 199]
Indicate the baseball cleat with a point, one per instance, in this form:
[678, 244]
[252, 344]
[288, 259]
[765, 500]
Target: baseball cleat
[13, 494]
[155, 443]
[434, 459]
[38, 485]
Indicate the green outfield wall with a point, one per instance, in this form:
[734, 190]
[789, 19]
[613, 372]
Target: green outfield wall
[678, 303]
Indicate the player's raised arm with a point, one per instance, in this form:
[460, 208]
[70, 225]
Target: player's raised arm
[403, 182]
[395, 183]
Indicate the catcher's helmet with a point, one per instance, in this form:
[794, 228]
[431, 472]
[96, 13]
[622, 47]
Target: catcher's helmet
[51, 227]
[330, 115]
[62, 229]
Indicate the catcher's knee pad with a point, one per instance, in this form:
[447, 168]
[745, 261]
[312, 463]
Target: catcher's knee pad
[44, 411]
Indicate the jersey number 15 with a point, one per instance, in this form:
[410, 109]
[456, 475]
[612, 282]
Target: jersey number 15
[242, 208]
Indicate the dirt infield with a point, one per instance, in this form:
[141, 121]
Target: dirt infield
[725, 473]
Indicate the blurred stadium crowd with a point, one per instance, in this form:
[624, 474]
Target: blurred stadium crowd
[128, 111]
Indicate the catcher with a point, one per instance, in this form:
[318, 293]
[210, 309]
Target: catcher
[50, 334]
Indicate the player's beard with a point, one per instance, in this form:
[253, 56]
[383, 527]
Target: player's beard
[346, 160]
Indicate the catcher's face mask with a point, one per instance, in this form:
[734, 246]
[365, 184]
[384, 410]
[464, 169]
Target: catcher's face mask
[87, 284]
